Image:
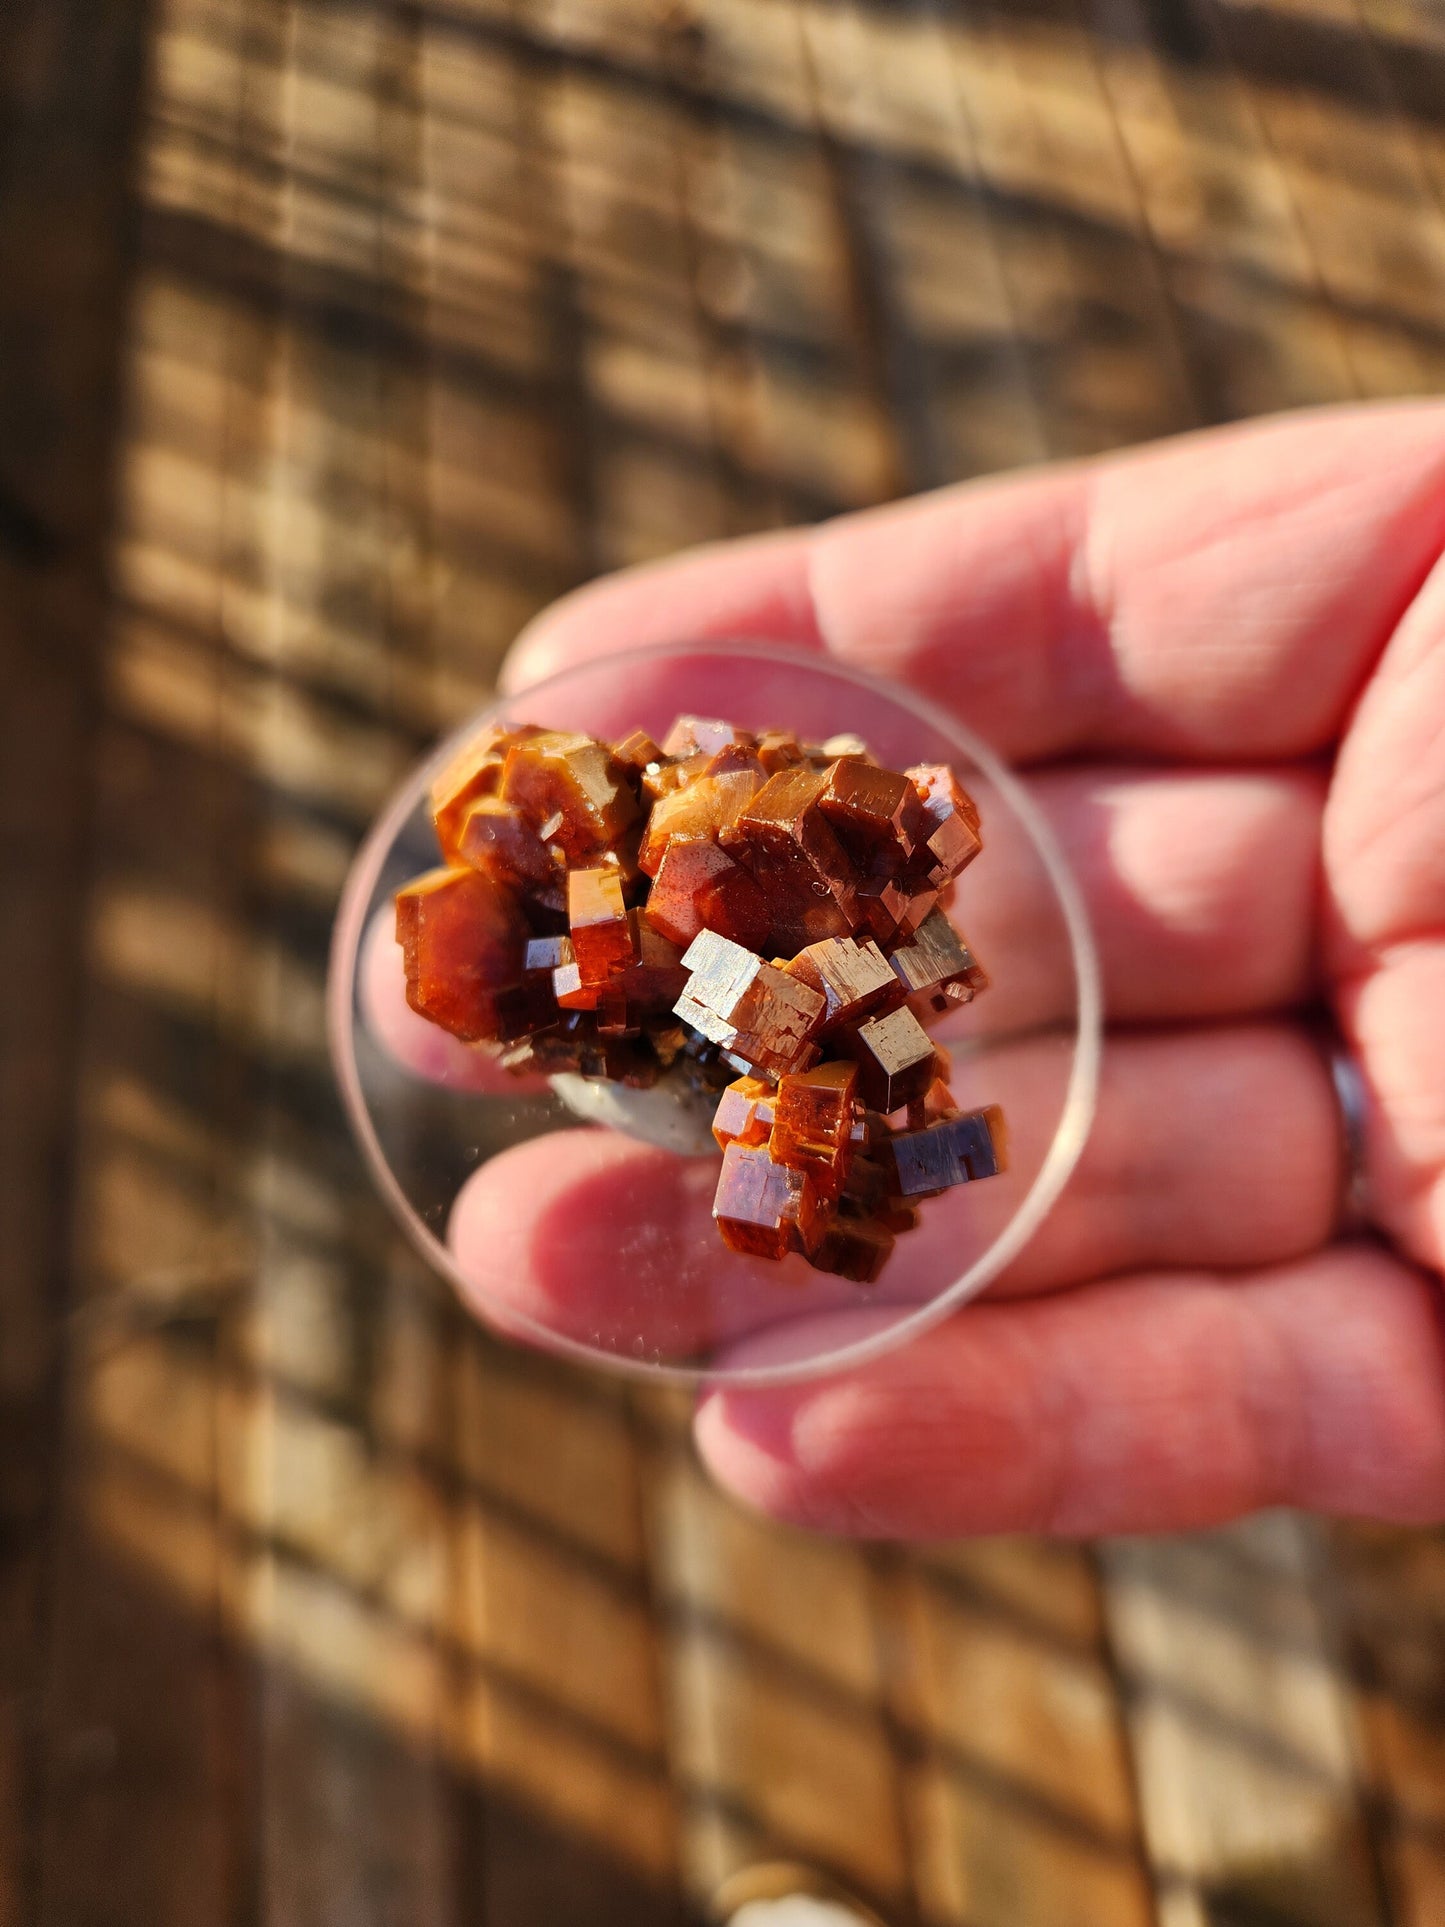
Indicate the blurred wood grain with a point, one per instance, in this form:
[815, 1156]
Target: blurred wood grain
[335, 340]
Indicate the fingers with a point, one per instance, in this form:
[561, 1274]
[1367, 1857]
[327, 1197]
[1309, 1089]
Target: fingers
[1150, 1403]
[1384, 849]
[1385, 831]
[1209, 1148]
[1219, 596]
[597, 1238]
[756, 589]
[1394, 1017]
[1200, 889]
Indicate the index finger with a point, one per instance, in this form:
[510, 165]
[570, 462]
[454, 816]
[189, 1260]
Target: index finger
[1220, 596]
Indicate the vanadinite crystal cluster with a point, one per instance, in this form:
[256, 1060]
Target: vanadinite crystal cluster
[756, 917]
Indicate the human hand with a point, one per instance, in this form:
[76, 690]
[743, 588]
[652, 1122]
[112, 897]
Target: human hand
[1223, 662]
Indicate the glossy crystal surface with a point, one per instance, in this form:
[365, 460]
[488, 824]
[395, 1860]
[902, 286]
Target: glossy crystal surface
[745, 914]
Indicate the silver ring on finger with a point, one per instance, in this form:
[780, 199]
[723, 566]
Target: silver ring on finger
[1352, 1103]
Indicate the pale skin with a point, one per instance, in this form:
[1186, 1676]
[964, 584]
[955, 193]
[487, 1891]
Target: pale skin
[1225, 658]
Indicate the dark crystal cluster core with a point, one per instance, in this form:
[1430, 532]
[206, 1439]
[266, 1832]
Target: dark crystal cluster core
[759, 916]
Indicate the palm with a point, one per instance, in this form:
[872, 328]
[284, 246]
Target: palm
[1225, 661]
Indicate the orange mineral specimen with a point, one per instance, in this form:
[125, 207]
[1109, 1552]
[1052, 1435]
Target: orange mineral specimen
[779, 749]
[700, 810]
[813, 1123]
[766, 1208]
[571, 989]
[700, 887]
[855, 980]
[783, 836]
[474, 772]
[604, 938]
[638, 751]
[951, 832]
[856, 1248]
[892, 908]
[657, 976]
[547, 953]
[495, 838]
[895, 1057]
[463, 942]
[720, 902]
[936, 968]
[955, 1150]
[745, 1112]
[571, 789]
[879, 815]
[705, 735]
[755, 1012]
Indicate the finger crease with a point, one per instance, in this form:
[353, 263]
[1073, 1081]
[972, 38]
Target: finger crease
[1084, 654]
[1273, 1401]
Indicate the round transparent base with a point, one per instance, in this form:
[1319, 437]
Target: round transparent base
[580, 1220]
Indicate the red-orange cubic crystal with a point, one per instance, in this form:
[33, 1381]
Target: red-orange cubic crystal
[813, 1123]
[699, 887]
[745, 1112]
[766, 1207]
[463, 940]
[719, 905]
[604, 939]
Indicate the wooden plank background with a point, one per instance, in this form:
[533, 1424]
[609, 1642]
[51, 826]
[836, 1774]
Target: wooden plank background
[335, 339]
